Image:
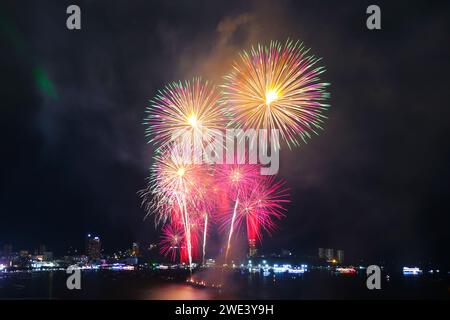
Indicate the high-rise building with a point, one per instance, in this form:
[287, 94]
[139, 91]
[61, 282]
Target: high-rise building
[93, 246]
[47, 255]
[322, 253]
[24, 253]
[340, 255]
[329, 254]
[7, 250]
[135, 250]
[42, 249]
[252, 251]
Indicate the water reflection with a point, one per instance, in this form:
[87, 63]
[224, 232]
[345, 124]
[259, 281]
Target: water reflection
[180, 292]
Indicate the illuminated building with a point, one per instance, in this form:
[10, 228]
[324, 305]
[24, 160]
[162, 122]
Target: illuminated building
[41, 264]
[24, 254]
[346, 270]
[40, 251]
[47, 255]
[210, 263]
[411, 271]
[252, 251]
[322, 253]
[329, 254]
[340, 256]
[132, 260]
[135, 250]
[93, 246]
[7, 250]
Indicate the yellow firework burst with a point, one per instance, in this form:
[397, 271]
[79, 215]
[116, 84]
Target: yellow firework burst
[190, 109]
[277, 87]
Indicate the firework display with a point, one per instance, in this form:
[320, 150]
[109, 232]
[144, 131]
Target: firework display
[177, 194]
[260, 205]
[277, 87]
[172, 241]
[189, 109]
[274, 87]
[237, 179]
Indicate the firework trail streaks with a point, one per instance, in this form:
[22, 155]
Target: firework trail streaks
[171, 240]
[189, 111]
[258, 206]
[265, 201]
[208, 199]
[236, 179]
[205, 231]
[187, 225]
[230, 234]
[174, 182]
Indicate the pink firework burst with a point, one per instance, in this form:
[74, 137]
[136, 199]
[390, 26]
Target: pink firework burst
[259, 207]
[236, 178]
[172, 240]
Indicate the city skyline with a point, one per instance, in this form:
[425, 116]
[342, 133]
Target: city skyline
[374, 183]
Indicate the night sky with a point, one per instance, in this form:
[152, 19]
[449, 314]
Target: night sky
[375, 183]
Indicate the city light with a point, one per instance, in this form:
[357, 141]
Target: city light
[411, 271]
[346, 270]
[41, 264]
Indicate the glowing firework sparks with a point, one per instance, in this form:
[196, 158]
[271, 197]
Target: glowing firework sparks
[277, 87]
[172, 238]
[274, 87]
[206, 203]
[205, 232]
[174, 190]
[264, 202]
[258, 206]
[236, 178]
[189, 109]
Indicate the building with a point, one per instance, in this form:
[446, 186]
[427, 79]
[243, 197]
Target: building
[322, 253]
[42, 249]
[24, 254]
[93, 246]
[210, 263]
[340, 256]
[329, 254]
[252, 251]
[135, 250]
[7, 250]
[47, 255]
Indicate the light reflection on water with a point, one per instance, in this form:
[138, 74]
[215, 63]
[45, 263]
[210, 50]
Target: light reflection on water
[236, 285]
[180, 292]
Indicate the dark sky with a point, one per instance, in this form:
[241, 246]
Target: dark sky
[374, 183]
